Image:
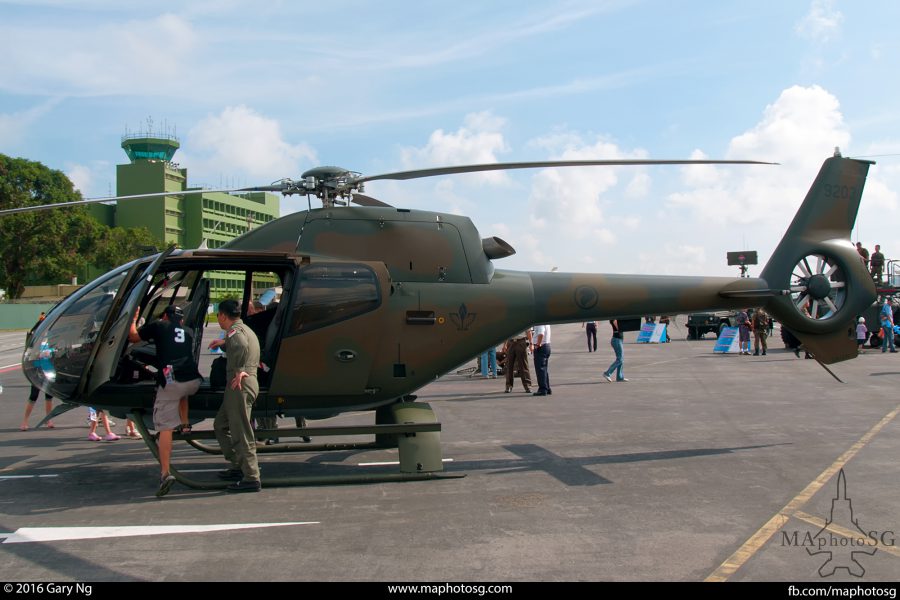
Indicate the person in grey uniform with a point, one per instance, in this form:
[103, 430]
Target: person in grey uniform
[232, 424]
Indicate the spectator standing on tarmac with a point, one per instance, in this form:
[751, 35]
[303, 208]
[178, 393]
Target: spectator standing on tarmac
[35, 392]
[760, 323]
[517, 360]
[29, 406]
[887, 325]
[489, 359]
[542, 359]
[590, 328]
[618, 364]
[862, 333]
[742, 320]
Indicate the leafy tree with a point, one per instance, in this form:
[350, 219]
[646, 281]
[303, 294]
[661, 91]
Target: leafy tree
[47, 244]
[118, 245]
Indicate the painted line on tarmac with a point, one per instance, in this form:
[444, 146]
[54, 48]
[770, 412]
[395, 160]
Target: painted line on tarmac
[780, 519]
[819, 522]
[9, 368]
[391, 463]
[2, 477]
[58, 534]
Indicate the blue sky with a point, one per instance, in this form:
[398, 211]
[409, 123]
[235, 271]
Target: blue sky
[261, 91]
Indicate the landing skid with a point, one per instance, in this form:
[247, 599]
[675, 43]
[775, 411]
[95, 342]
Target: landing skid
[414, 431]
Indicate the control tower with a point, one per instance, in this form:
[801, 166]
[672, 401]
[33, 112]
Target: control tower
[140, 147]
[151, 170]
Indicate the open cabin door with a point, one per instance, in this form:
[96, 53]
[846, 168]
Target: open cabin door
[113, 334]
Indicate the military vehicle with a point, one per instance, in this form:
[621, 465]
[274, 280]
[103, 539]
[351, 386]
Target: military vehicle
[379, 301]
[699, 324]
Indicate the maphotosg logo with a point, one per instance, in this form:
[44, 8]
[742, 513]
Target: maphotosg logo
[842, 542]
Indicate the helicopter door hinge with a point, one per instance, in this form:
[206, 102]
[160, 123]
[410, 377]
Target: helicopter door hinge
[381, 223]
[442, 273]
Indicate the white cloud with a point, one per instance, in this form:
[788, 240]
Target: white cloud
[81, 177]
[822, 23]
[569, 200]
[240, 141]
[798, 130]
[139, 56]
[478, 141]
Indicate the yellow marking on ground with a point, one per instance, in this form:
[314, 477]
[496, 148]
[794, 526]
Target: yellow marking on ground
[819, 523]
[758, 539]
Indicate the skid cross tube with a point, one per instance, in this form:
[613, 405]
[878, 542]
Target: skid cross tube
[196, 484]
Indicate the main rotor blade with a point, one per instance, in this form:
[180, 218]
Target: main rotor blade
[263, 188]
[418, 173]
[364, 200]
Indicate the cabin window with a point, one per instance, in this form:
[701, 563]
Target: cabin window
[60, 349]
[331, 293]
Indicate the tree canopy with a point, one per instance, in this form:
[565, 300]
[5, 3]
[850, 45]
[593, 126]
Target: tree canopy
[53, 244]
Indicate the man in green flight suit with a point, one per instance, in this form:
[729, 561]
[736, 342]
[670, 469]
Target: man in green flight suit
[232, 425]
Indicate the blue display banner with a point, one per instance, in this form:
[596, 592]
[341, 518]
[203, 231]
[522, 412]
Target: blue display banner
[652, 333]
[728, 340]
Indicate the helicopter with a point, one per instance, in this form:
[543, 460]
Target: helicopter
[378, 301]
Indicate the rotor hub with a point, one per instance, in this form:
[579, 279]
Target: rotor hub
[819, 286]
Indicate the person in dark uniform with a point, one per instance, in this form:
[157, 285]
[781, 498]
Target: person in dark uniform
[760, 322]
[863, 254]
[177, 378]
[232, 424]
[876, 262]
[516, 350]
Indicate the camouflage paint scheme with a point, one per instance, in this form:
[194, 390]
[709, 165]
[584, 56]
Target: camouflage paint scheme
[442, 302]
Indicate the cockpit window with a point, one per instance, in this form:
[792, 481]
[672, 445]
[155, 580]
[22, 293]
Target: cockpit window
[59, 350]
[331, 293]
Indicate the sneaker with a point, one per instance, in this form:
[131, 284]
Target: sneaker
[134, 435]
[231, 474]
[607, 377]
[111, 437]
[93, 437]
[244, 485]
[623, 379]
[165, 484]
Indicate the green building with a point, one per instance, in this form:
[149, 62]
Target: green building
[189, 217]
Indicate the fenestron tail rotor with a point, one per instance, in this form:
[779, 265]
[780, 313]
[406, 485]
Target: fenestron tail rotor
[818, 287]
[336, 186]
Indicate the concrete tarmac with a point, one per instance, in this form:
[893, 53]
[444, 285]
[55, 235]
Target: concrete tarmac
[702, 466]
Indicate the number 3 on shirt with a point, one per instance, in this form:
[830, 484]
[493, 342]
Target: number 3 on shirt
[179, 335]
